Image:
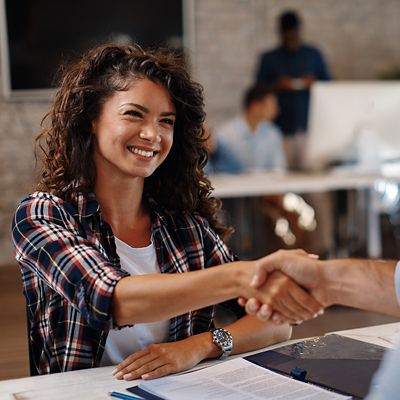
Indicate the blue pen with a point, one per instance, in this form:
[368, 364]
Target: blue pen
[123, 396]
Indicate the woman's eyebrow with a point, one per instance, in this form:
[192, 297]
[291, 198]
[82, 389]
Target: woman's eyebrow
[140, 107]
[146, 110]
[168, 114]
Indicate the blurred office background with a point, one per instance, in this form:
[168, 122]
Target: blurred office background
[223, 40]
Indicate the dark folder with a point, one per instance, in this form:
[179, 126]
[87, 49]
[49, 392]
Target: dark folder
[334, 362]
[143, 393]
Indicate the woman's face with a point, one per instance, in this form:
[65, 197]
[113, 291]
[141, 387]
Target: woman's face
[134, 131]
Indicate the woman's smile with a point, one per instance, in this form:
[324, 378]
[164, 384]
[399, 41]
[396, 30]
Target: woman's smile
[141, 152]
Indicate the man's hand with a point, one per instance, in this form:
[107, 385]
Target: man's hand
[308, 81]
[305, 270]
[284, 84]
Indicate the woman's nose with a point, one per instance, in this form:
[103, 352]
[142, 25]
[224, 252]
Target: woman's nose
[150, 132]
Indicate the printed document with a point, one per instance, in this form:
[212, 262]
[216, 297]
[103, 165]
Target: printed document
[237, 379]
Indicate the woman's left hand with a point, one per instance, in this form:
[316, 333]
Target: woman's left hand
[165, 358]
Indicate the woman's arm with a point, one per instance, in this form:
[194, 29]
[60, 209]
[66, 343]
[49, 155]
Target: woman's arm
[148, 298]
[249, 333]
[167, 358]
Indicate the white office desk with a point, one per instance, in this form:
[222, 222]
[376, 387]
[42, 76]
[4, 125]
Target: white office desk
[267, 183]
[86, 384]
[94, 384]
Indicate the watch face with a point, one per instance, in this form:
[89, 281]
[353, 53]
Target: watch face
[223, 338]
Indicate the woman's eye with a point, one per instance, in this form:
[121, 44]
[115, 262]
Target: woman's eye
[168, 121]
[133, 113]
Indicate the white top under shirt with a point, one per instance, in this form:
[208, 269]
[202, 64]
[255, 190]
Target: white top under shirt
[121, 343]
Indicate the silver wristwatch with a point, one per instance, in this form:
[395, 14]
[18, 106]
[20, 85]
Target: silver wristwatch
[223, 339]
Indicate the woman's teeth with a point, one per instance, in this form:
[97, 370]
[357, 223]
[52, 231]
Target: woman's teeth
[142, 153]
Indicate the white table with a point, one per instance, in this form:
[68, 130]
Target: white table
[94, 384]
[267, 183]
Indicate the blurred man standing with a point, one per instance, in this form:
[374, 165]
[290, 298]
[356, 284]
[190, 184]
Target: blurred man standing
[290, 70]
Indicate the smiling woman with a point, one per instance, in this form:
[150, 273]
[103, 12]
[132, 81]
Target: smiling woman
[117, 243]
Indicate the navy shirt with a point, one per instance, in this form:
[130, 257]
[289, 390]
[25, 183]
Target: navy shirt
[294, 104]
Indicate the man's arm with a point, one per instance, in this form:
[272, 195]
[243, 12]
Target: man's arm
[365, 284]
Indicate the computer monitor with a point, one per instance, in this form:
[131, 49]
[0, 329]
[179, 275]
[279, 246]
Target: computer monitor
[355, 122]
[36, 36]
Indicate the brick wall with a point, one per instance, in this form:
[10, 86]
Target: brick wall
[19, 124]
[360, 39]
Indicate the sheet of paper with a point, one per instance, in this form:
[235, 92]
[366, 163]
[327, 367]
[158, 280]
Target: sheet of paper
[382, 335]
[92, 383]
[236, 379]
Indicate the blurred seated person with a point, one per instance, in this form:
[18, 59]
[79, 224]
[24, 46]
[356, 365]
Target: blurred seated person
[250, 141]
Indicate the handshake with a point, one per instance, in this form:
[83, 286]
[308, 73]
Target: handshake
[288, 287]
[293, 286]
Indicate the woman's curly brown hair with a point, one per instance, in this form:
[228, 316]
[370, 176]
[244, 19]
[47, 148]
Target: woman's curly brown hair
[178, 183]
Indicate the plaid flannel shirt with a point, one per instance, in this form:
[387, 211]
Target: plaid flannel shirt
[70, 267]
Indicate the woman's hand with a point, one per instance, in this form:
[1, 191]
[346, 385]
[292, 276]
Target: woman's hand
[166, 358]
